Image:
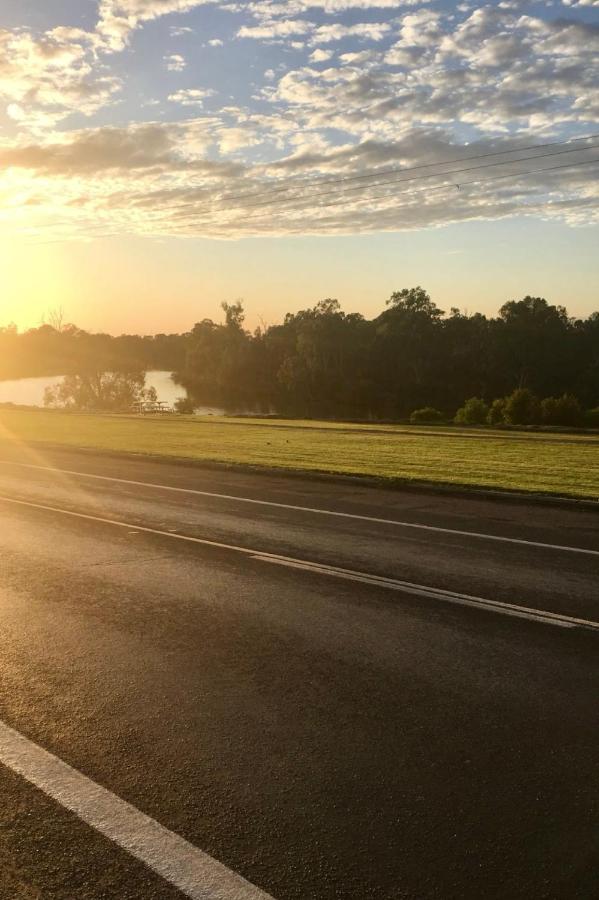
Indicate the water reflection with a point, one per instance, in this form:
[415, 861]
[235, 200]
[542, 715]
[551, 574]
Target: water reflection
[30, 391]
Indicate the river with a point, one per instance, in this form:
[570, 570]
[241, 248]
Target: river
[30, 391]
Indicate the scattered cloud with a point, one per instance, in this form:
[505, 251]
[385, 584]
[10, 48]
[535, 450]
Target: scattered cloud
[275, 29]
[320, 55]
[343, 88]
[175, 62]
[43, 79]
[180, 30]
[191, 96]
[118, 18]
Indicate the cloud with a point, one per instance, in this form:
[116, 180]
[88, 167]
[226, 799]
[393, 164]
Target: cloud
[364, 31]
[267, 9]
[319, 55]
[275, 29]
[324, 34]
[175, 62]
[160, 179]
[97, 150]
[414, 85]
[179, 30]
[118, 18]
[191, 96]
[44, 78]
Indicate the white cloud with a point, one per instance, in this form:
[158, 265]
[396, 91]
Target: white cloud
[364, 31]
[497, 76]
[118, 18]
[44, 78]
[276, 29]
[320, 55]
[175, 62]
[158, 179]
[271, 8]
[191, 96]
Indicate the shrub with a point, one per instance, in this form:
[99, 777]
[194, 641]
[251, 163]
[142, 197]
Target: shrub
[473, 412]
[564, 410]
[497, 412]
[522, 408]
[428, 415]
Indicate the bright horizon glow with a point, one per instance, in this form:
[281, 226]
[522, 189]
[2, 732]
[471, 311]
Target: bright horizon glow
[146, 286]
[115, 212]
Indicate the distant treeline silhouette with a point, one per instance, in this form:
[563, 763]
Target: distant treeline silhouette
[323, 362]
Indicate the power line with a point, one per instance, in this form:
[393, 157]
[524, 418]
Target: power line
[340, 192]
[447, 185]
[344, 191]
[401, 169]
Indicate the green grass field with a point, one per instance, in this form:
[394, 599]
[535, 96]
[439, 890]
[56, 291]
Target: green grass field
[562, 464]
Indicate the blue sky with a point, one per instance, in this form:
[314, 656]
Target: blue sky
[175, 125]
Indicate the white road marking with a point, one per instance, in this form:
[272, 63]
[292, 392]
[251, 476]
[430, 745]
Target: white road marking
[309, 509]
[176, 860]
[420, 590]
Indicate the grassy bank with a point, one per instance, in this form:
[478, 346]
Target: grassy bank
[567, 465]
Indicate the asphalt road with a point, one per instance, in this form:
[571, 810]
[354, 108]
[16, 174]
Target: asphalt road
[299, 690]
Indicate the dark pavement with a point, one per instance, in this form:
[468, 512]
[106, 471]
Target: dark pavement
[324, 738]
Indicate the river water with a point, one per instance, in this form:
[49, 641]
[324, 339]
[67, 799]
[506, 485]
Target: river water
[30, 391]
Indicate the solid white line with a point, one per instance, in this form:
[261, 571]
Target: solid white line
[421, 590]
[309, 509]
[509, 609]
[176, 860]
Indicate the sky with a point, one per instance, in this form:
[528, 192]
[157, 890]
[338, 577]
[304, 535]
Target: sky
[158, 157]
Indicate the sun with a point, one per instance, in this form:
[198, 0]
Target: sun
[34, 279]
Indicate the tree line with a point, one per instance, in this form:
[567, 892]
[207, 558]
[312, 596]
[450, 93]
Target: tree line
[61, 349]
[324, 362]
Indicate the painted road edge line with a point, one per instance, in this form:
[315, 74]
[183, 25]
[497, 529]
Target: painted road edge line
[479, 535]
[316, 568]
[187, 868]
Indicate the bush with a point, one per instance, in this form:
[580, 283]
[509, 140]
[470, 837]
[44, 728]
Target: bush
[522, 408]
[497, 412]
[473, 412]
[426, 416]
[565, 410]
[591, 417]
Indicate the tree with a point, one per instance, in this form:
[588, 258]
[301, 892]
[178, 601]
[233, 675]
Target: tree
[534, 347]
[414, 300]
[522, 408]
[428, 415]
[407, 345]
[564, 410]
[474, 412]
[234, 314]
[496, 414]
[100, 392]
[322, 361]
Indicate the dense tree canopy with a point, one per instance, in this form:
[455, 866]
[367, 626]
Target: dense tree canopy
[322, 361]
[67, 350]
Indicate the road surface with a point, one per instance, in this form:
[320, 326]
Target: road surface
[227, 685]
